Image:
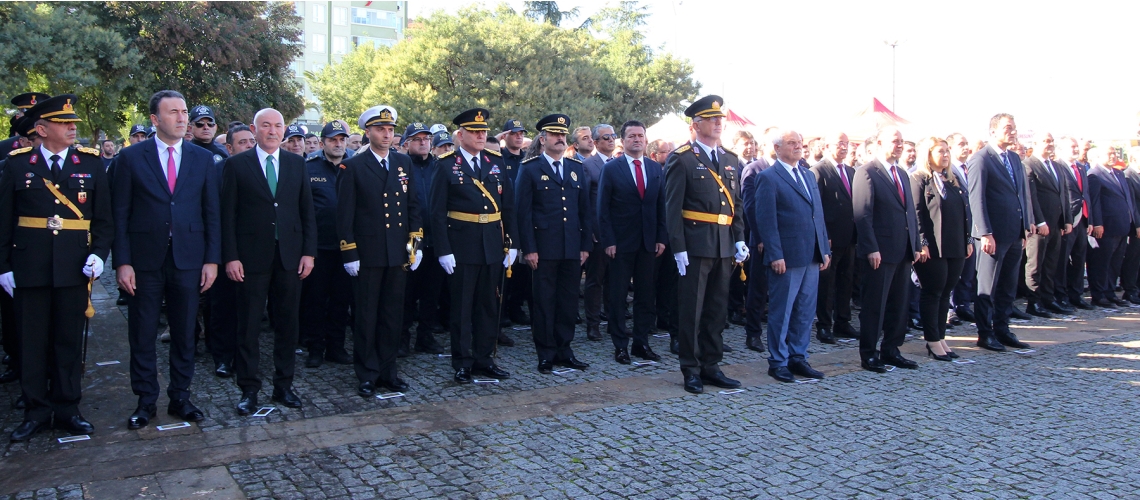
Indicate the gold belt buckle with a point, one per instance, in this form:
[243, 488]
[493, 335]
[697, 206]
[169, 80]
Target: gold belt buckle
[722, 219]
[55, 223]
[483, 218]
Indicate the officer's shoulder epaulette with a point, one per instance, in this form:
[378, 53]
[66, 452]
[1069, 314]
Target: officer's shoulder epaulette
[492, 151]
[445, 155]
[530, 159]
[90, 151]
[19, 151]
[682, 149]
[573, 159]
[728, 152]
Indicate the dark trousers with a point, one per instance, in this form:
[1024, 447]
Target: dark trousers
[886, 293]
[667, 278]
[379, 314]
[519, 289]
[1073, 256]
[737, 290]
[180, 287]
[592, 291]
[997, 284]
[1130, 268]
[938, 278]
[281, 287]
[1042, 254]
[835, 289]
[966, 290]
[326, 295]
[639, 266]
[51, 347]
[10, 332]
[425, 287]
[756, 303]
[702, 304]
[221, 330]
[474, 314]
[552, 322]
[1104, 266]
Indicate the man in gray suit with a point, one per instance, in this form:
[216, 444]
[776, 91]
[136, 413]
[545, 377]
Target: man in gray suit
[605, 141]
[787, 201]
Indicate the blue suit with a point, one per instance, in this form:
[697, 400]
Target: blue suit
[789, 218]
[1110, 206]
[167, 238]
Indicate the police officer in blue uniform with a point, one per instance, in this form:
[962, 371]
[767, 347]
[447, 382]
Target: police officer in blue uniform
[472, 228]
[327, 293]
[205, 127]
[553, 201]
[518, 285]
[421, 299]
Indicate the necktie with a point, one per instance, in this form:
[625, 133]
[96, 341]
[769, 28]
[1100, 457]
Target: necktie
[640, 178]
[898, 184]
[800, 180]
[843, 176]
[1081, 186]
[1008, 167]
[171, 172]
[55, 168]
[475, 165]
[271, 175]
[558, 169]
[712, 154]
[1049, 163]
[384, 163]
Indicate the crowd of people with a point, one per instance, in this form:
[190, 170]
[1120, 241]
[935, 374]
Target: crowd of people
[447, 231]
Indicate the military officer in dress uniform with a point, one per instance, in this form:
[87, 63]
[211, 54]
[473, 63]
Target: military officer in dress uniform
[472, 227]
[705, 233]
[22, 102]
[553, 202]
[378, 215]
[25, 129]
[427, 284]
[55, 233]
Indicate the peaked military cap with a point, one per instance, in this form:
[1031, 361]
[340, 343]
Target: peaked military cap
[474, 119]
[59, 109]
[378, 115]
[556, 123]
[705, 107]
[28, 99]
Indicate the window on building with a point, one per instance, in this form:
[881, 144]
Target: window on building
[339, 45]
[318, 13]
[340, 16]
[373, 17]
[376, 42]
[319, 43]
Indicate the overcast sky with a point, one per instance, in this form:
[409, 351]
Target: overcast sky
[1064, 67]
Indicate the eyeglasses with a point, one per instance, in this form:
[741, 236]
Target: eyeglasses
[203, 124]
[607, 137]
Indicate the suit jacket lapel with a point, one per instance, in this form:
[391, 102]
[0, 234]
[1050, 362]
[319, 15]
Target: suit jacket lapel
[885, 172]
[796, 186]
[153, 161]
[42, 166]
[548, 169]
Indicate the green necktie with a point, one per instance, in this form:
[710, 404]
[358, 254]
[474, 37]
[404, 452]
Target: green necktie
[271, 175]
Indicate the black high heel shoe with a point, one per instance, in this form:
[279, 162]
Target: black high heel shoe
[942, 357]
[952, 354]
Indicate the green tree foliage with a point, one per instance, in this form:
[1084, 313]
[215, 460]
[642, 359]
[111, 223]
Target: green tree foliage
[516, 67]
[548, 12]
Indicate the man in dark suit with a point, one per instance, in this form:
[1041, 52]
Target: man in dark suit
[631, 228]
[966, 291]
[1130, 268]
[376, 187]
[553, 202]
[518, 287]
[706, 236]
[1050, 196]
[1074, 246]
[593, 291]
[787, 202]
[472, 223]
[269, 242]
[55, 232]
[887, 229]
[167, 244]
[756, 297]
[1002, 220]
[833, 309]
[1112, 215]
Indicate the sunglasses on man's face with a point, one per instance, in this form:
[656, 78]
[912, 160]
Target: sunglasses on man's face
[203, 124]
[607, 137]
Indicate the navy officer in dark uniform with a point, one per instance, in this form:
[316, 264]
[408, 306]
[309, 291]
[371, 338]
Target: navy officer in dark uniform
[421, 299]
[55, 233]
[553, 203]
[327, 293]
[472, 224]
[377, 215]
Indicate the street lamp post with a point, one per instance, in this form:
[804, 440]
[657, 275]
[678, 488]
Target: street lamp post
[893, 45]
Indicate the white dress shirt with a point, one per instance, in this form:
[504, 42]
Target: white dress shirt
[633, 170]
[382, 160]
[262, 155]
[558, 170]
[163, 154]
[48, 154]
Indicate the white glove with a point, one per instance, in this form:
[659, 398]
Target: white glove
[741, 252]
[448, 263]
[682, 259]
[94, 266]
[509, 260]
[8, 281]
[419, 258]
[353, 268]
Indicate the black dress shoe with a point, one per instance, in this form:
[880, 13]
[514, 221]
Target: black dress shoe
[622, 356]
[573, 362]
[824, 335]
[1081, 304]
[463, 376]
[1103, 303]
[898, 361]
[314, 359]
[9, 375]
[247, 404]
[693, 384]
[939, 357]
[1119, 301]
[286, 397]
[366, 389]
[519, 317]
[402, 351]
[755, 343]
[224, 370]
[20, 403]
[718, 379]
[426, 343]
[1133, 298]
[338, 356]
[873, 365]
[1058, 308]
[725, 348]
[1008, 339]
[988, 342]
[185, 410]
[1016, 313]
[952, 354]
[644, 352]
[1040, 312]
[603, 316]
[781, 373]
[141, 417]
[675, 346]
[395, 384]
[844, 331]
[492, 371]
[736, 318]
[593, 333]
[505, 341]
[545, 366]
[965, 314]
[803, 369]
[75, 425]
[913, 324]
[121, 301]
[25, 431]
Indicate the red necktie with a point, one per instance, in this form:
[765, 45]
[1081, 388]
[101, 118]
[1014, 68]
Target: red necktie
[171, 173]
[895, 174]
[1080, 185]
[640, 178]
[843, 175]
